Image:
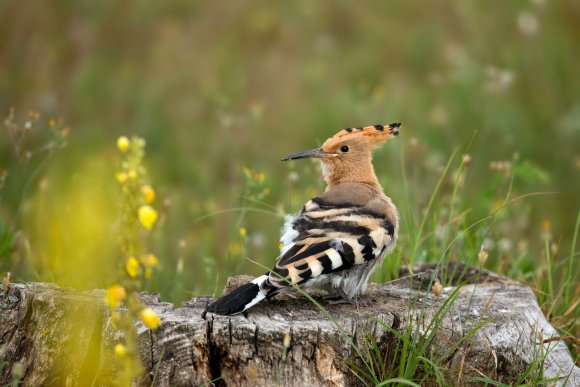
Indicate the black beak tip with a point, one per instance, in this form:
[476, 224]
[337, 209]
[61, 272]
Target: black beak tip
[288, 158]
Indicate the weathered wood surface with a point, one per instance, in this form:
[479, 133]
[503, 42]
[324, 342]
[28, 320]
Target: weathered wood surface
[63, 337]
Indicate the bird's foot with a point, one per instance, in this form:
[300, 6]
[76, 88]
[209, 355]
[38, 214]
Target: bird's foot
[364, 302]
[336, 300]
[342, 299]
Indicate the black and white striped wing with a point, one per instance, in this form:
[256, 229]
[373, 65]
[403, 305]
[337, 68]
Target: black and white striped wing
[326, 239]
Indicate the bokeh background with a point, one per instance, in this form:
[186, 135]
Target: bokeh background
[221, 90]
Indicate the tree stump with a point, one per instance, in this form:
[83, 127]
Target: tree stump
[491, 326]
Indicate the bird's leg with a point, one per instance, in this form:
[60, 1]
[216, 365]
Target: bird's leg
[342, 298]
[335, 299]
[363, 301]
[293, 295]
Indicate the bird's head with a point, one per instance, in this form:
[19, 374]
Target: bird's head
[346, 156]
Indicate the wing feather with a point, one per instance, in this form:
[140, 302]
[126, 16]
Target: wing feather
[328, 239]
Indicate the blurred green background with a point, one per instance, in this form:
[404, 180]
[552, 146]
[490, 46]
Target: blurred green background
[214, 87]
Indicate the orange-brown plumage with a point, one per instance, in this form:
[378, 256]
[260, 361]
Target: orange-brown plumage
[355, 165]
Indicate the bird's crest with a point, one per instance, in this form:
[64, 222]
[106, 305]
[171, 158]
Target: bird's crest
[369, 136]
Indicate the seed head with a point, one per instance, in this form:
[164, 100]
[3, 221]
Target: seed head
[482, 256]
[437, 289]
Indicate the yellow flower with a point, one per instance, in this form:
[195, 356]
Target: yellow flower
[150, 318]
[121, 177]
[123, 143]
[147, 216]
[243, 232]
[120, 350]
[148, 194]
[235, 248]
[132, 267]
[132, 174]
[115, 294]
[149, 260]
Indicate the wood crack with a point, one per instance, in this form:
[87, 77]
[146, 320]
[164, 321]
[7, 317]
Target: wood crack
[213, 355]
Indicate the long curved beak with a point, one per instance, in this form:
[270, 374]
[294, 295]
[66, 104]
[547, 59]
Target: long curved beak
[317, 153]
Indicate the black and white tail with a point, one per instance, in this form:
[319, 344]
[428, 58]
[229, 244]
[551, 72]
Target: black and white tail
[243, 297]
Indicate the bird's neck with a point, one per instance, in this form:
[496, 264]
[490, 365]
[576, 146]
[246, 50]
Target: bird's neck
[360, 172]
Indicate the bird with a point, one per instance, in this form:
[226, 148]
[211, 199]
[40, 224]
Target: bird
[339, 237]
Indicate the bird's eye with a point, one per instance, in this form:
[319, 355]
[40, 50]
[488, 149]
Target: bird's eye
[344, 149]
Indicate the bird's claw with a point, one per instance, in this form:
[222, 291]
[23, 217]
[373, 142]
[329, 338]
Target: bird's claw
[359, 302]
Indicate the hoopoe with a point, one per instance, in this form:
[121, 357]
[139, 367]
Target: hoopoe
[339, 237]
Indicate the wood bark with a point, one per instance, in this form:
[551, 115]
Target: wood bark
[63, 337]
